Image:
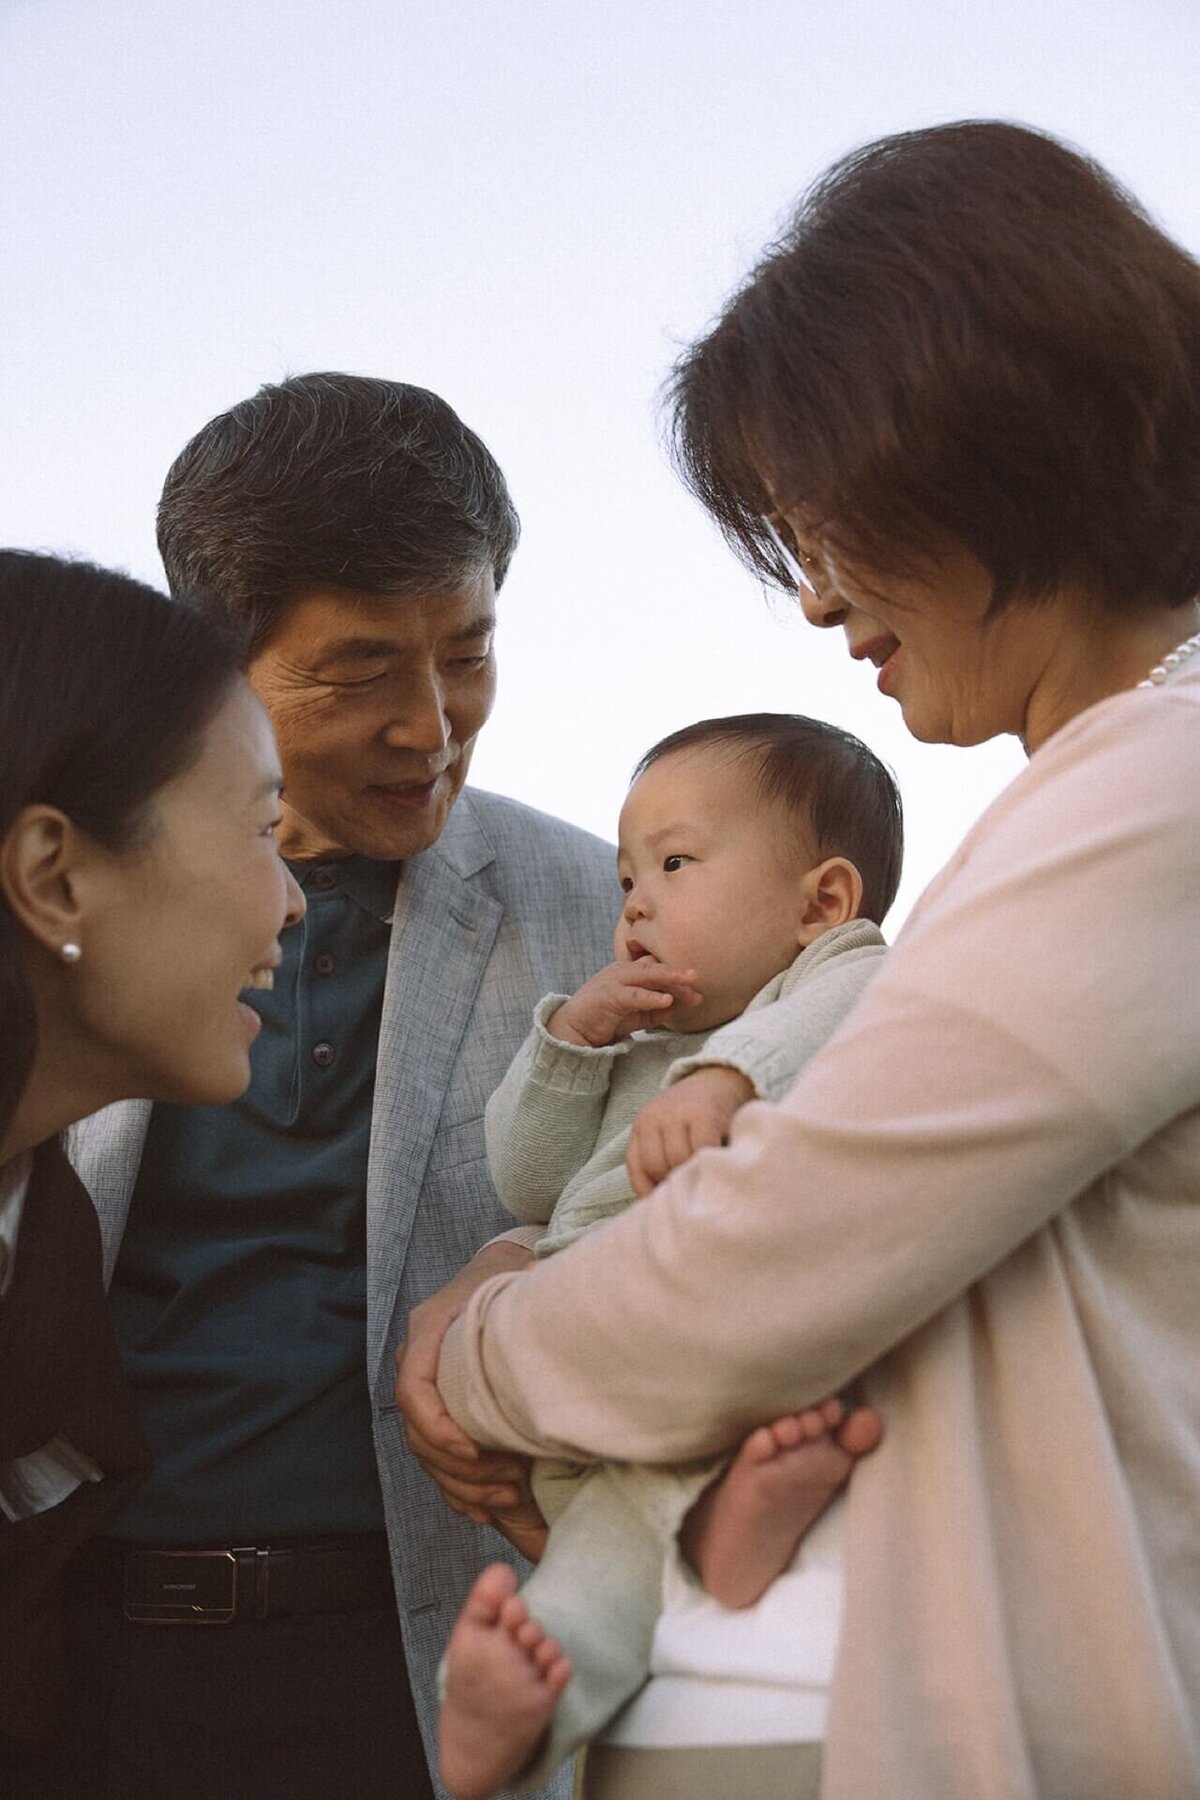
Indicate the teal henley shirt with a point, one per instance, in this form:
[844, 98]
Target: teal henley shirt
[239, 1296]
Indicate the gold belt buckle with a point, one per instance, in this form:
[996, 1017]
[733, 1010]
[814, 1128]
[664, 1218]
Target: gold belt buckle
[181, 1587]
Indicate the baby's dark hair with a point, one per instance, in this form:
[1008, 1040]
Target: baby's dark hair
[837, 790]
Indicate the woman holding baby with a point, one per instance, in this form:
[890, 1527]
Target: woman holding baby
[957, 408]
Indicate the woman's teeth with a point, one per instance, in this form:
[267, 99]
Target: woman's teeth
[261, 978]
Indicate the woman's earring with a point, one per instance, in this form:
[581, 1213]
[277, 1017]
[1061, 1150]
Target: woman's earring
[70, 953]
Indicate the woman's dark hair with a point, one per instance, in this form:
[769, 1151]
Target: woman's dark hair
[106, 688]
[837, 791]
[967, 333]
[361, 483]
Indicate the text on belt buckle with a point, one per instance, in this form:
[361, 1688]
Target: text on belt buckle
[181, 1587]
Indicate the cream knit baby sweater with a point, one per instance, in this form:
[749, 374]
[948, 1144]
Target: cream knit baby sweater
[558, 1125]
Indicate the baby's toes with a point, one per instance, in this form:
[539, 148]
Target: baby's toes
[513, 1613]
[761, 1445]
[546, 1654]
[809, 1426]
[862, 1431]
[794, 1428]
[490, 1594]
[529, 1635]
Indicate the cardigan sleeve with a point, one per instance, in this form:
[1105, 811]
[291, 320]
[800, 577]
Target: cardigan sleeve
[770, 1044]
[1035, 1023]
[541, 1124]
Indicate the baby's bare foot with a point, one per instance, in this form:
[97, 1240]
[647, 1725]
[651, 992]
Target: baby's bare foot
[503, 1680]
[743, 1531]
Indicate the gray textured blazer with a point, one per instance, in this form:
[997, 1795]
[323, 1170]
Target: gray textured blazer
[508, 905]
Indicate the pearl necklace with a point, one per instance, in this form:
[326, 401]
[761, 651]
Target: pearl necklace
[1158, 674]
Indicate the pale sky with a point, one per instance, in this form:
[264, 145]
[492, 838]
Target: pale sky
[529, 207]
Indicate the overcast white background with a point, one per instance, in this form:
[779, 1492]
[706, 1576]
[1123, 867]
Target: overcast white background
[529, 207]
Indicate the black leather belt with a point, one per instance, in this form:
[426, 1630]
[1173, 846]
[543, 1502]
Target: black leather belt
[244, 1582]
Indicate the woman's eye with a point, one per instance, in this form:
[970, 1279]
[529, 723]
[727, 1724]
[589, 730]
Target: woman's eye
[273, 827]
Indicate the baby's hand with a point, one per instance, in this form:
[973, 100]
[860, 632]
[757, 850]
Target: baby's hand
[624, 997]
[684, 1118]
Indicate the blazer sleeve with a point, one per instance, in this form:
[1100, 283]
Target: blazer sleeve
[542, 1122]
[1034, 1024]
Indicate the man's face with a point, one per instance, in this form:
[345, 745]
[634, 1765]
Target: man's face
[376, 702]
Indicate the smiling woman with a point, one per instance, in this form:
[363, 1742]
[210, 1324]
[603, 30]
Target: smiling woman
[957, 407]
[140, 892]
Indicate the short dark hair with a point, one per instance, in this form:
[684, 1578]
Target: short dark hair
[345, 479]
[967, 333]
[838, 791]
[106, 690]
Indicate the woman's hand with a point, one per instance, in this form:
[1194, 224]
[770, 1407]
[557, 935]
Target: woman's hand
[474, 1480]
[684, 1118]
[623, 997]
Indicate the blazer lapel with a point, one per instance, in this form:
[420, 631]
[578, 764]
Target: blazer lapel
[442, 936]
[106, 1151]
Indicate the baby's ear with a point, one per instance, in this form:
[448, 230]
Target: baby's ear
[830, 895]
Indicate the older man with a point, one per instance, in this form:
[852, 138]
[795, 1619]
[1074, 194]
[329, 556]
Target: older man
[238, 1635]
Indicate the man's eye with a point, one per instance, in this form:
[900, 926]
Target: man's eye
[273, 827]
[354, 681]
[671, 864]
[470, 662]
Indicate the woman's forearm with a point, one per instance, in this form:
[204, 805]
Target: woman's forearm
[761, 1277]
[1003, 1059]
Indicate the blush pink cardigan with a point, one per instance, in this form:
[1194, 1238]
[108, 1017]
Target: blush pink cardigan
[984, 1194]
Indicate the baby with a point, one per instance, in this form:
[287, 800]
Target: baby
[753, 852]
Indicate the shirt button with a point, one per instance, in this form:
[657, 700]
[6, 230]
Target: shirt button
[324, 964]
[323, 1055]
[324, 879]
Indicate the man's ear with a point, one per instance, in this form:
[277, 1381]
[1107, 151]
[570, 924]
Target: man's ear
[39, 876]
[830, 894]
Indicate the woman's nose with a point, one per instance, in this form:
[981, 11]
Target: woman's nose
[296, 903]
[824, 609]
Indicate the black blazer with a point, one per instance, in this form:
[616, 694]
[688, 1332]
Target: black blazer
[60, 1376]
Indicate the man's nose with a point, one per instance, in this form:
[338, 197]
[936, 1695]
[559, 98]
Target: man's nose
[422, 724]
[636, 906]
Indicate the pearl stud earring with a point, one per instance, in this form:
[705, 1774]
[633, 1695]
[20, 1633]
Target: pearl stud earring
[70, 953]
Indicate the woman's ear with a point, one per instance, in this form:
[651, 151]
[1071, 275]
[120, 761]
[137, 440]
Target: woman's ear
[39, 869]
[831, 894]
